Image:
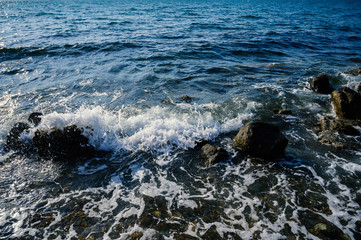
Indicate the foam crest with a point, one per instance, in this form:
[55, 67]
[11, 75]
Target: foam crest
[157, 129]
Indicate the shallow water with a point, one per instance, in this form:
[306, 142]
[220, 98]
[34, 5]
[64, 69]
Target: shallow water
[119, 69]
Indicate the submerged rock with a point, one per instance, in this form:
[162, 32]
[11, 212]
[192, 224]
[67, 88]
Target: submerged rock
[187, 98]
[282, 111]
[347, 103]
[317, 225]
[261, 139]
[321, 84]
[212, 155]
[62, 144]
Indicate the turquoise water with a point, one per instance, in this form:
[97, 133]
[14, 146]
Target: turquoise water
[120, 68]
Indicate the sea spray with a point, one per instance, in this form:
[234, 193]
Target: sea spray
[157, 129]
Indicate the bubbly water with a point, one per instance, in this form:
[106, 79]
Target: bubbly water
[119, 68]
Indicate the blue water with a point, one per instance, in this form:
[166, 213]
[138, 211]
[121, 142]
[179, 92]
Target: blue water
[119, 70]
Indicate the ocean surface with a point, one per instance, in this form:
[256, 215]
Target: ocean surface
[119, 69]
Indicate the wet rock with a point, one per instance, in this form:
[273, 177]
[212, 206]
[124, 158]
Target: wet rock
[359, 88]
[321, 84]
[212, 233]
[13, 139]
[338, 125]
[136, 235]
[355, 72]
[201, 143]
[282, 111]
[262, 186]
[187, 98]
[212, 155]
[320, 227]
[35, 118]
[62, 144]
[184, 237]
[346, 103]
[261, 139]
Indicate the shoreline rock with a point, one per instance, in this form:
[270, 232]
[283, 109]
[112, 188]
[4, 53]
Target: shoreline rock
[347, 103]
[338, 132]
[321, 84]
[35, 118]
[355, 72]
[62, 144]
[261, 139]
[339, 125]
[212, 155]
[13, 138]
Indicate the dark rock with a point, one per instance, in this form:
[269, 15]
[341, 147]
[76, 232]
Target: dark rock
[212, 233]
[320, 227]
[260, 139]
[62, 144]
[282, 111]
[201, 143]
[359, 88]
[35, 118]
[355, 72]
[187, 98]
[347, 103]
[212, 155]
[321, 84]
[13, 139]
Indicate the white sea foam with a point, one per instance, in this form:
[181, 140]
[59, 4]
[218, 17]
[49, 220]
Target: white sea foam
[352, 81]
[157, 129]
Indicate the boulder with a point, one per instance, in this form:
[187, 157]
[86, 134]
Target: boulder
[62, 144]
[321, 84]
[261, 139]
[355, 72]
[212, 155]
[347, 103]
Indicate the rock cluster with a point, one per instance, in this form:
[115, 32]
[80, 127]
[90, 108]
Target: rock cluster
[255, 139]
[57, 144]
[62, 144]
[347, 106]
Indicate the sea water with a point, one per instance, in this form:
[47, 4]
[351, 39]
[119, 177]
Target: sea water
[119, 68]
